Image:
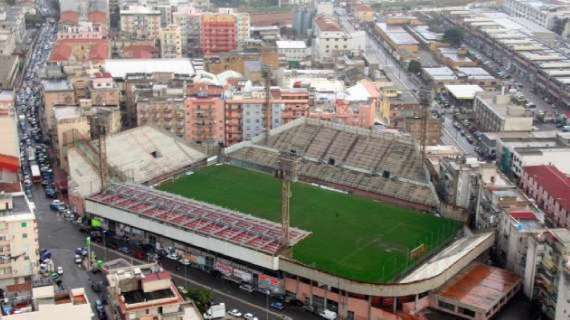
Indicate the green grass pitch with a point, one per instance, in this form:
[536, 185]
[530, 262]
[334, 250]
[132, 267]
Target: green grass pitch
[352, 237]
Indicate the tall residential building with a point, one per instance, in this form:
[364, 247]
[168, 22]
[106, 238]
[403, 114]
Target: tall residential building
[188, 18]
[167, 111]
[218, 33]
[140, 23]
[18, 231]
[543, 13]
[170, 42]
[243, 23]
[245, 112]
[547, 272]
[205, 114]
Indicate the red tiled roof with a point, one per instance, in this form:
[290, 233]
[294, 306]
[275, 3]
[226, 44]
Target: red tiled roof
[139, 51]
[70, 17]
[523, 215]
[9, 163]
[97, 17]
[60, 52]
[98, 49]
[10, 187]
[103, 75]
[553, 181]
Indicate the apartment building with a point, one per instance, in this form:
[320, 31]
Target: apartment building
[170, 42]
[55, 92]
[103, 90]
[494, 112]
[144, 291]
[188, 18]
[331, 40]
[547, 273]
[218, 33]
[496, 195]
[163, 111]
[243, 23]
[245, 113]
[396, 39]
[550, 188]
[140, 22]
[71, 125]
[205, 114]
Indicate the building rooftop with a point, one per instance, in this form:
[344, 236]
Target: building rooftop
[52, 306]
[502, 106]
[327, 24]
[56, 85]
[139, 9]
[291, 44]
[7, 65]
[480, 287]
[9, 145]
[397, 34]
[64, 113]
[440, 73]
[119, 68]
[463, 91]
[553, 181]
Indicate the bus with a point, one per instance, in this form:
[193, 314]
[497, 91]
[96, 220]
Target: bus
[36, 175]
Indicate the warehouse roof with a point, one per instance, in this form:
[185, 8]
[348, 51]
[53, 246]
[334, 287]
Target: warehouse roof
[463, 91]
[119, 68]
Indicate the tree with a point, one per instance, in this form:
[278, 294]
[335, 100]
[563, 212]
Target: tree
[453, 36]
[414, 67]
[202, 298]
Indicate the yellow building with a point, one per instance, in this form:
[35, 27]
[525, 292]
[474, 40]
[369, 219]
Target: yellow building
[170, 42]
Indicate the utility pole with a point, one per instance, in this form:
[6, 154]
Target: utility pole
[425, 103]
[287, 173]
[266, 74]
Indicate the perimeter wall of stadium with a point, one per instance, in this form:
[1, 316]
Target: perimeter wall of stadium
[279, 275]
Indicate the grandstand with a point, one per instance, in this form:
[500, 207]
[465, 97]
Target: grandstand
[198, 217]
[384, 166]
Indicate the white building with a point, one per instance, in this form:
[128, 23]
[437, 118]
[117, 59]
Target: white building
[495, 113]
[292, 50]
[18, 239]
[543, 13]
[331, 40]
[556, 156]
[513, 233]
[187, 17]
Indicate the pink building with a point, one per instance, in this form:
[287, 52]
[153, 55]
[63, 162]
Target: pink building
[357, 108]
[550, 188]
[204, 113]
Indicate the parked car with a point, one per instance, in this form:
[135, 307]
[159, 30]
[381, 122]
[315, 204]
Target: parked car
[78, 259]
[249, 316]
[235, 313]
[277, 305]
[246, 287]
[60, 270]
[55, 204]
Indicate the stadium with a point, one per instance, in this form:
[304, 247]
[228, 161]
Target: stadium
[359, 241]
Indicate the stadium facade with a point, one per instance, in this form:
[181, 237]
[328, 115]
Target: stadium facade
[246, 249]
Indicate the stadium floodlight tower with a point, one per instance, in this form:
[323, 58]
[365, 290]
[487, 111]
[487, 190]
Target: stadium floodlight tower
[287, 172]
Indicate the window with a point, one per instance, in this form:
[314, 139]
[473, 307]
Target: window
[467, 312]
[445, 305]
[24, 224]
[24, 235]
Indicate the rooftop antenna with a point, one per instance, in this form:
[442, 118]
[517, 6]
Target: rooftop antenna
[287, 172]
